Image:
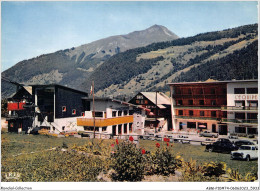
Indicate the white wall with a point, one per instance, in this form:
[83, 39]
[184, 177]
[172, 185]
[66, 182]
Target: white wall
[231, 97]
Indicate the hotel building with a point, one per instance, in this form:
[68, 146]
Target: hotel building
[218, 106]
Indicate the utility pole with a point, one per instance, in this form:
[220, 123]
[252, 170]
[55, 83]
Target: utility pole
[94, 115]
[156, 113]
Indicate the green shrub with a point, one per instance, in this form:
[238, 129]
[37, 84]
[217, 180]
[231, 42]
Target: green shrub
[127, 162]
[214, 169]
[162, 162]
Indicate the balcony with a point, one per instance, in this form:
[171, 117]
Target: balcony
[196, 117]
[239, 108]
[250, 121]
[102, 122]
[197, 107]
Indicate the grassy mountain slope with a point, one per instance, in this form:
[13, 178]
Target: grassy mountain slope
[152, 67]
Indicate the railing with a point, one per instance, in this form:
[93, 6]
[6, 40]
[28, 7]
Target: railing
[240, 120]
[239, 108]
[196, 107]
[105, 121]
[196, 117]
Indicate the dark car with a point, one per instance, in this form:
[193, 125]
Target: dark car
[243, 142]
[221, 146]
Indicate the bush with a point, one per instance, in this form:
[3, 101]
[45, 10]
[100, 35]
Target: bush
[214, 169]
[162, 162]
[127, 163]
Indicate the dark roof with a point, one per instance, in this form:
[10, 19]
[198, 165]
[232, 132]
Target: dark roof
[58, 85]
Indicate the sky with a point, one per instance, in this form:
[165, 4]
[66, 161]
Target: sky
[29, 29]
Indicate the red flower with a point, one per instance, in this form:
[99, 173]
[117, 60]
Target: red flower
[143, 151]
[117, 142]
[131, 139]
[167, 144]
[166, 139]
[157, 145]
[112, 145]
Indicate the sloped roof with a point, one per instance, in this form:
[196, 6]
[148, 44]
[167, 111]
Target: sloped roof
[162, 99]
[28, 89]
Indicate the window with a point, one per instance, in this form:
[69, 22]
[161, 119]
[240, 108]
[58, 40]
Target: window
[201, 102]
[64, 109]
[99, 114]
[178, 91]
[63, 128]
[190, 102]
[53, 128]
[130, 127]
[252, 90]
[252, 130]
[252, 103]
[240, 115]
[239, 91]
[213, 91]
[191, 125]
[119, 113]
[145, 101]
[113, 113]
[200, 91]
[190, 112]
[252, 115]
[213, 102]
[240, 129]
[180, 126]
[179, 102]
[180, 112]
[104, 128]
[139, 97]
[125, 128]
[189, 91]
[82, 114]
[131, 112]
[239, 103]
[213, 113]
[137, 101]
[214, 128]
[201, 113]
[125, 112]
[74, 112]
[87, 128]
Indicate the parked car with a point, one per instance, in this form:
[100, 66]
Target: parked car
[255, 141]
[208, 134]
[158, 137]
[243, 142]
[169, 137]
[207, 142]
[151, 137]
[223, 145]
[245, 152]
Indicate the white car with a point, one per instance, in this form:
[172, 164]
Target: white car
[246, 152]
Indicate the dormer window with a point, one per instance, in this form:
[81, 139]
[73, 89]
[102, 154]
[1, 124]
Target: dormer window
[74, 112]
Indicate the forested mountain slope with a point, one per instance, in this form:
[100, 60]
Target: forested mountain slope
[186, 59]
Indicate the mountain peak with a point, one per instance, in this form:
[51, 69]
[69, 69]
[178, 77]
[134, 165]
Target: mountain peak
[162, 29]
